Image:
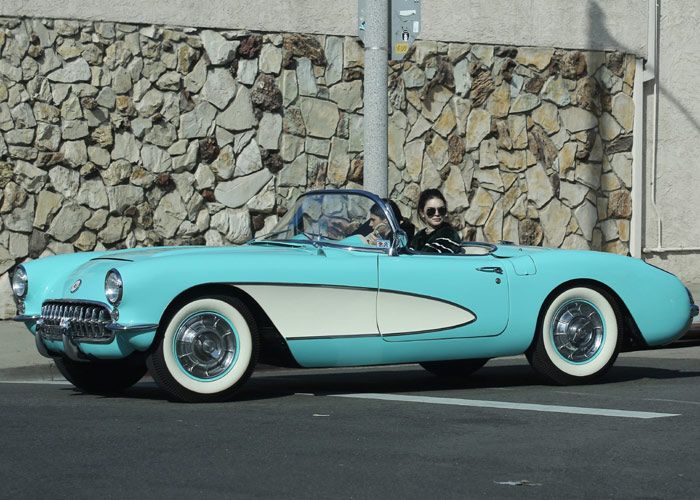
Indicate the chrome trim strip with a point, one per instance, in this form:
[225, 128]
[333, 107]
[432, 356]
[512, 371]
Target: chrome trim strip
[318, 243]
[480, 244]
[333, 337]
[119, 328]
[81, 301]
[432, 330]
[27, 318]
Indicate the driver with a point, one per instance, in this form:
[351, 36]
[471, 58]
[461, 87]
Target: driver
[381, 230]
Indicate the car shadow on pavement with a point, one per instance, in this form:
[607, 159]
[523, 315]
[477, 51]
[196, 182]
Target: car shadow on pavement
[407, 379]
[418, 380]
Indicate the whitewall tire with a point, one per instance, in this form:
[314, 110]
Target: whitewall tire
[578, 336]
[207, 350]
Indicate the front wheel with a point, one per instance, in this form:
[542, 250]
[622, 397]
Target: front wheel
[454, 369]
[103, 376]
[578, 336]
[208, 349]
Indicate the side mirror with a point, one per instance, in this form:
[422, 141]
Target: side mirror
[398, 242]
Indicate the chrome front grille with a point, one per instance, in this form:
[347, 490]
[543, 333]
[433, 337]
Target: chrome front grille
[84, 321]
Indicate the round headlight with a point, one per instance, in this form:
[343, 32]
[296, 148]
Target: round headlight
[113, 287]
[19, 282]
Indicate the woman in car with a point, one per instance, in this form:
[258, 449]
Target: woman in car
[438, 236]
[377, 227]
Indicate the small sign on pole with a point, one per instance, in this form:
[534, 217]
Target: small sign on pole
[405, 26]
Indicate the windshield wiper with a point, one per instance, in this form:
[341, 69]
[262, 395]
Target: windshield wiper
[282, 243]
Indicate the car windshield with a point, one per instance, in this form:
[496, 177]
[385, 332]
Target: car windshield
[337, 217]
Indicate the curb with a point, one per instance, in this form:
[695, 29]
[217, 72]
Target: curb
[35, 373]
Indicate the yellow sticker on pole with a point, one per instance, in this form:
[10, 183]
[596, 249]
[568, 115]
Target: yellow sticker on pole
[401, 48]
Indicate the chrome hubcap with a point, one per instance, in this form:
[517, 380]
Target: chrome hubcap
[577, 331]
[205, 345]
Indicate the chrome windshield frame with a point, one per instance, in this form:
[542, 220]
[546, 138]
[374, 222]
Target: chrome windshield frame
[393, 223]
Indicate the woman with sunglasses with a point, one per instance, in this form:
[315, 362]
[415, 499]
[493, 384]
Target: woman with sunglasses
[438, 236]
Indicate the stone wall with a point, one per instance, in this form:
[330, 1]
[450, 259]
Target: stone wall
[117, 135]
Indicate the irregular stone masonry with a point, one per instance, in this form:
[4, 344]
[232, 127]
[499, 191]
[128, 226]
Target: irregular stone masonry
[118, 135]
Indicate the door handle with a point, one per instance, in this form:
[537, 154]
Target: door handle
[488, 269]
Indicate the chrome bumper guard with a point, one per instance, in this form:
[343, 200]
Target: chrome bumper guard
[79, 322]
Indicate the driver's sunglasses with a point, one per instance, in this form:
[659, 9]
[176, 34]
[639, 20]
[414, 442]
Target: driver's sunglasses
[430, 212]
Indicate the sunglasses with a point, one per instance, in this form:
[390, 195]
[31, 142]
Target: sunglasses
[430, 212]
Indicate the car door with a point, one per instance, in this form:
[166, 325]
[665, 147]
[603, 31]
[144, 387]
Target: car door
[434, 296]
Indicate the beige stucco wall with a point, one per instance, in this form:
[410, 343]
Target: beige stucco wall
[678, 153]
[575, 24]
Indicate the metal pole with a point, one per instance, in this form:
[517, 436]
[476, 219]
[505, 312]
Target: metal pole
[376, 103]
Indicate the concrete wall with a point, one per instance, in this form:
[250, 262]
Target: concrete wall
[678, 145]
[576, 24]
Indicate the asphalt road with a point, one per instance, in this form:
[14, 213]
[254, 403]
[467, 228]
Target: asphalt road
[292, 435]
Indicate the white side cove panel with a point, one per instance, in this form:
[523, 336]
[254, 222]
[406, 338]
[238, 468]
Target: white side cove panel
[317, 311]
[400, 313]
[307, 311]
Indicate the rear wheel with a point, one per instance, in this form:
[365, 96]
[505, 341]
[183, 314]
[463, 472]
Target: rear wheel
[103, 376]
[208, 350]
[578, 336]
[456, 369]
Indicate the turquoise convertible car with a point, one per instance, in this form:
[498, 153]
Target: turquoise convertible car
[317, 293]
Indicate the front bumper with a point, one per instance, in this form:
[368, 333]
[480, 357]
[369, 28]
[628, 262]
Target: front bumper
[81, 330]
[111, 328]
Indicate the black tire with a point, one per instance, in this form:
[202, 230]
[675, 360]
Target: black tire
[578, 337]
[459, 368]
[103, 376]
[207, 349]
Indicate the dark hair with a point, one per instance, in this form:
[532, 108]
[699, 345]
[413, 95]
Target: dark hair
[377, 210]
[404, 224]
[428, 195]
[395, 209]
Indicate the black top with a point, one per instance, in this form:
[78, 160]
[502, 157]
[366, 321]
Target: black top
[445, 239]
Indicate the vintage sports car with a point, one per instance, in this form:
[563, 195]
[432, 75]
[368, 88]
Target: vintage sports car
[318, 292]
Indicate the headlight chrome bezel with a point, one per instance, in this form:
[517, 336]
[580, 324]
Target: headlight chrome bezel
[114, 287]
[20, 283]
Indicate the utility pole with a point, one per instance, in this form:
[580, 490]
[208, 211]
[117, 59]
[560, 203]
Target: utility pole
[382, 24]
[374, 31]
